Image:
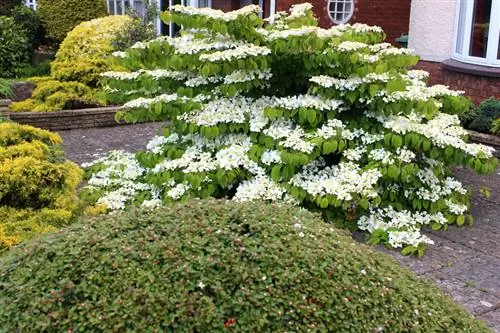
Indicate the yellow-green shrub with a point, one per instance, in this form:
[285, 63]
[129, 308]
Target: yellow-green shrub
[82, 55]
[19, 224]
[37, 184]
[60, 16]
[52, 95]
[13, 134]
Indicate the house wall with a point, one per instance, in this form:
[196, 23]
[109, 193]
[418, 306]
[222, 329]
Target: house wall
[431, 29]
[478, 87]
[392, 15]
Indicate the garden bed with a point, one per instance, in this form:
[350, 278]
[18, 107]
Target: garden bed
[487, 139]
[66, 119]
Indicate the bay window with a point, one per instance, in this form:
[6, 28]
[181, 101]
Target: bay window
[477, 32]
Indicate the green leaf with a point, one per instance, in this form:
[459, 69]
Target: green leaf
[461, 220]
[397, 141]
[324, 203]
[393, 171]
[276, 173]
[409, 249]
[329, 146]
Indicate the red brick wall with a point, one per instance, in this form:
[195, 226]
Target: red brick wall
[225, 5]
[476, 87]
[392, 15]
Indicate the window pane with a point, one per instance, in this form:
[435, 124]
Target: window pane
[119, 7]
[498, 54]
[111, 7]
[461, 26]
[480, 28]
[340, 7]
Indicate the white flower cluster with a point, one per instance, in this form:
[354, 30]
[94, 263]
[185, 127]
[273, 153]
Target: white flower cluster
[142, 102]
[240, 52]
[387, 158]
[199, 80]
[308, 101]
[245, 76]
[330, 129]
[433, 189]
[155, 74]
[342, 180]
[417, 74]
[403, 227]
[156, 144]
[349, 84]
[189, 44]
[284, 34]
[299, 10]
[349, 46]
[261, 187]
[120, 178]
[289, 136]
[221, 110]
[443, 130]
[271, 157]
[397, 51]
[215, 13]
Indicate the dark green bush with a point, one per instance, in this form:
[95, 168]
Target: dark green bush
[486, 113]
[60, 16]
[41, 69]
[29, 20]
[14, 47]
[7, 5]
[215, 266]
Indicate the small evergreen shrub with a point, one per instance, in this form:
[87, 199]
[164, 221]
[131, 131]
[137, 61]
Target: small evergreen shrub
[486, 113]
[60, 16]
[37, 184]
[83, 54]
[52, 95]
[215, 266]
[328, 119]
[14, 47]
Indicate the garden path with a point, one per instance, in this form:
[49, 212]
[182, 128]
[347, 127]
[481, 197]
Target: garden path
[464, 262]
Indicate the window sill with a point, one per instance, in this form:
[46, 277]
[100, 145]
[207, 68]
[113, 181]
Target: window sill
[479, 70]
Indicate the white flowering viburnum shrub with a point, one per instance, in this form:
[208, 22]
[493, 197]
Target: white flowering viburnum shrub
[329, 119]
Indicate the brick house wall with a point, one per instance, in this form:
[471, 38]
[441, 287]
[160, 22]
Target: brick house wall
[477, 86]
[392, 15]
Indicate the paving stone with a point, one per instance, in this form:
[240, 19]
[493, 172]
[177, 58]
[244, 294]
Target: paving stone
[493, 319]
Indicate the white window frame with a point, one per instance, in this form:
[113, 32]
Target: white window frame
[333, 18]
[193, 3]
[491, 58]
[31, 4]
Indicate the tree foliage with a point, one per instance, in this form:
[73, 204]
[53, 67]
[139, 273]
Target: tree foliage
[329, 119]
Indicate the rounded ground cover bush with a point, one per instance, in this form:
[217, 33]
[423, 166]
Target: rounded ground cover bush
[211, 266]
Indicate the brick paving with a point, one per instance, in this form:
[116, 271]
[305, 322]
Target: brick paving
[464, 262]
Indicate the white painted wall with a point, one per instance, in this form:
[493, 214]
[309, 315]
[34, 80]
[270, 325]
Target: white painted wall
[431, 28]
